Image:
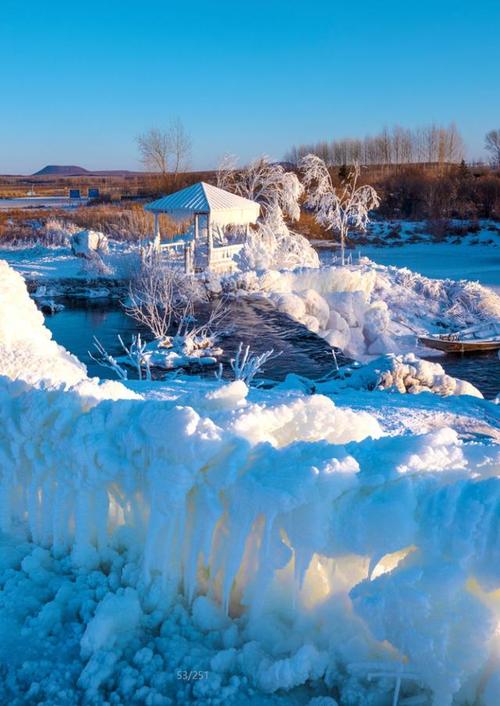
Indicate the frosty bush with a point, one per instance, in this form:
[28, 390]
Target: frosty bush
[267, 249]
[163, 300]
[160, 296]
[57, 233]
[246, 364]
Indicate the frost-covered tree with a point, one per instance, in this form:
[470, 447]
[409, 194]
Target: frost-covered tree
[337, 210]
[278, 192]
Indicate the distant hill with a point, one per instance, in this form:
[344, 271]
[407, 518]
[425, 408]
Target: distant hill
[62, 170]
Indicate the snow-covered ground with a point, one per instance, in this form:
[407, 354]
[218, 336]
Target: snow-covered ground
[383, 233]
[52, 265]
[202, 542]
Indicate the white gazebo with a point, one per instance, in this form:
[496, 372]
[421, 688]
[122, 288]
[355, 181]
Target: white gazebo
[207, 206]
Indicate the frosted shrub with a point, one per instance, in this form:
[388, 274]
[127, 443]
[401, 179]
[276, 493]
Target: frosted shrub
[163, 300]
[57, 233]
[160, 296]
[265, 250]
[102, 357]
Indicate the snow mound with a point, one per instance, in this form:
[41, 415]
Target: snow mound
[86, 243]
[26, 349]
[229, 546]
[401, 373]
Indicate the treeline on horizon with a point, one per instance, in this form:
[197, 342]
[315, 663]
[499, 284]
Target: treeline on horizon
[395, 146]
[419, 173]
[418, 193]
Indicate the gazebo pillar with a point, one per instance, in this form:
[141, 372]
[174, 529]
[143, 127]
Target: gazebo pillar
[209, 239]
[157, 237]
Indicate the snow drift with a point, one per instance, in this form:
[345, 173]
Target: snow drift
[266, 539]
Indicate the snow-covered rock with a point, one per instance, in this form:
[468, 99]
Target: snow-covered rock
[401, 373]
[86, 243]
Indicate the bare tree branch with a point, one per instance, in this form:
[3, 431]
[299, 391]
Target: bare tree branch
[492, 145]
[155, 150]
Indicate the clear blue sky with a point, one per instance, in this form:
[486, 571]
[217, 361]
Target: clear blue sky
[79, 80]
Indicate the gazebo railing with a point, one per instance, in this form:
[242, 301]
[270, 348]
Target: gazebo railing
[221, 258]
[180, 254]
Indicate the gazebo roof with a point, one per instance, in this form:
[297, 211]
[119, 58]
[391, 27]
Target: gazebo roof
[201, 198]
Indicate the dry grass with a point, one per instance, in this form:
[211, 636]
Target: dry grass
[123, 222]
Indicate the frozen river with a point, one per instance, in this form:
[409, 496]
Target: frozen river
[29, 202]
[440, 260]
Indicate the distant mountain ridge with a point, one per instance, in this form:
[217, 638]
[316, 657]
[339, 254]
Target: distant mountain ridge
[64, 170]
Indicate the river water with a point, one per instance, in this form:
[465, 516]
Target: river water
[255, 323]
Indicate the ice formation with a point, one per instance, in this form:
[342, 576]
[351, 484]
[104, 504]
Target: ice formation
[266, 541]
[368, 310]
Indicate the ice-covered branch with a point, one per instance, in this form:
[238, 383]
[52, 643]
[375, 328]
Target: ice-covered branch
[136, 353]
[102, 357]
[246, 364]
